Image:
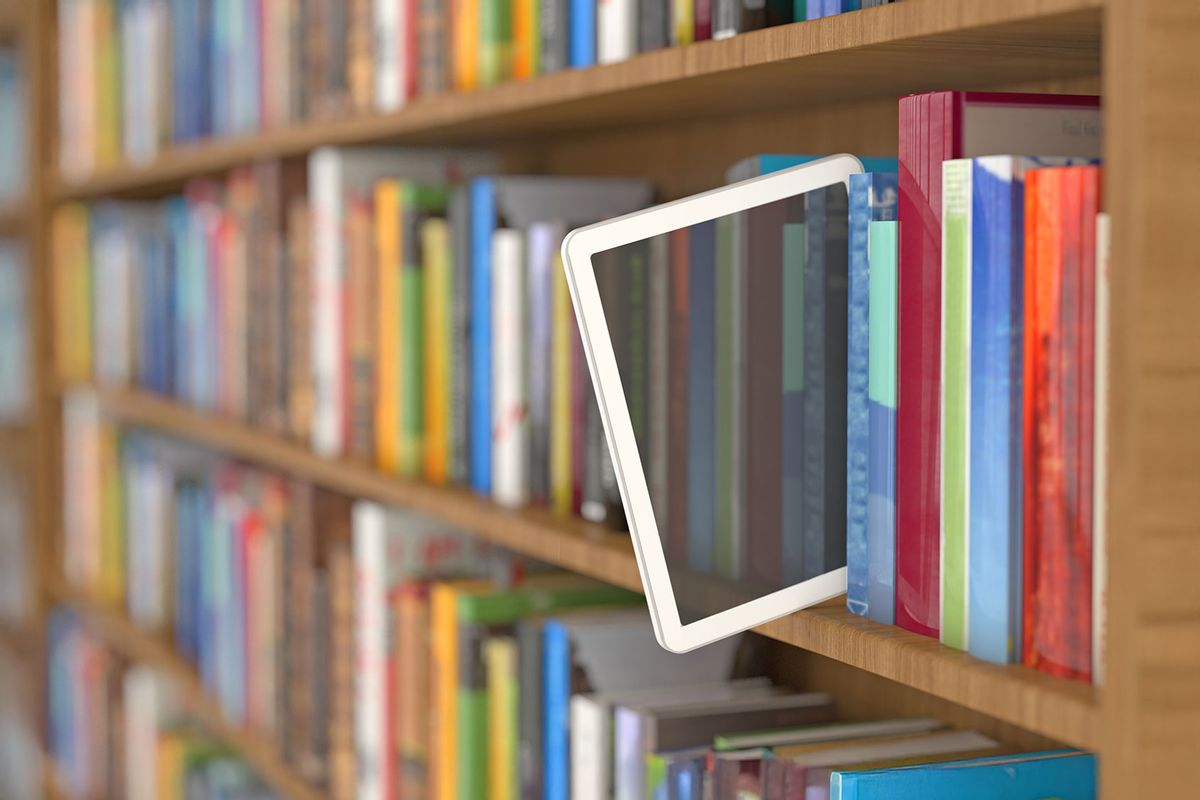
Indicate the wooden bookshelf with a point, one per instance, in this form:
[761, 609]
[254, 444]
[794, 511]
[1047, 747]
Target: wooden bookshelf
[139, 647]
[881, 53]
[1060, 710]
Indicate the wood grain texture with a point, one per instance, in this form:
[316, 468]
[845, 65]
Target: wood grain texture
[1055, 709]
[1151, 699]
[139, 647]
[873, 54]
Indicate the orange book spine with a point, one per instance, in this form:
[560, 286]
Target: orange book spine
[435, 245]
[387, 368]
[72, 292]
[464, 16]
[443, 767]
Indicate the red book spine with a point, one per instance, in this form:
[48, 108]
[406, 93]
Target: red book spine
[676, 535]
[703, 19]
[1060, 264]
[928, 136]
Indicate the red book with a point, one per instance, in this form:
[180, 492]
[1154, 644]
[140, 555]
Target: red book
[676, 533]
[933, 128]
[703, 19]
[1060, 213]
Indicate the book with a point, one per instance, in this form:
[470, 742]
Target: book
[1059, 339]
[951, 125]
[616, 30]
[1067, 774]
[438, 266]
[700, 533]
[500, 653]
[547, 338]
[1100, 448]
[495, 59]
[766, 163]
[510, 410]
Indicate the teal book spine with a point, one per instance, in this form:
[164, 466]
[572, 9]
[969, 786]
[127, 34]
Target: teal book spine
[1061, 774]
[881, 411]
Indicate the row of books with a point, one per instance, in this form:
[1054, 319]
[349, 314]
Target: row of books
[518, 682]
[15, 374]
[117, 730]
[140, 75]
[13, 114]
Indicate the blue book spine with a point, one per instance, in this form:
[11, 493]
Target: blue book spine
[792, 424]
[996, 378]
[483, 223]
[250, 78]
[183, 65]
[815, 434]
[202, 88]
[236, 621]
[857, 418]
[775, 162]
[702, 476]
[816, 9]
[219, 67]
[184, 571]
[1063, 775]
[581, 27]
[177, 239]
[209, 551]
[164, 335]
[832, 7]
[851, 5]
[881, 412]
[556, 715]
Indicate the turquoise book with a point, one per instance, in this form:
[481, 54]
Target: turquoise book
[1058, 774]
[873, 198]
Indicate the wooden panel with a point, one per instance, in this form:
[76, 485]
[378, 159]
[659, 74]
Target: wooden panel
[1059, 710]
[877, 53]
[139, 647]
[1151, 705]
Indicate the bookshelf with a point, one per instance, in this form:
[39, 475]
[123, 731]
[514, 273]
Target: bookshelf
[674, 115]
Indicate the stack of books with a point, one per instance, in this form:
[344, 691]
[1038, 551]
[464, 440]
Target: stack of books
[386, 655]
[118, 731]
[141, 75]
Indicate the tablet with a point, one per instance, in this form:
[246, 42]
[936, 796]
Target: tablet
[714, 329]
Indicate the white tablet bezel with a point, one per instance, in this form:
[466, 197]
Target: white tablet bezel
[577, 251]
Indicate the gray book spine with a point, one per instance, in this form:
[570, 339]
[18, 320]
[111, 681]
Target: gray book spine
[653, 24]
[460, 336]
[553, 19]
[529, 719]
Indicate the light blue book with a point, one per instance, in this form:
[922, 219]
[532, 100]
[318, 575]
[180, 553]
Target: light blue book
[996, 384]
[766, 163]
[581, 33]
[873, 198]
[483, 224]
[702, 399]
[1058, 774]
[881, 414]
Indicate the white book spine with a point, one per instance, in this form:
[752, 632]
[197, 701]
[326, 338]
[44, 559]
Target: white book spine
[141, 690]
[616, 30]
[389, 55]
[325, 169]
[1100, 451]
[81, 474]
[510, 423]
[589, 748]
[370, 685]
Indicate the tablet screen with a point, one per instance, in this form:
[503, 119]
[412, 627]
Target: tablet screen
[730, 342]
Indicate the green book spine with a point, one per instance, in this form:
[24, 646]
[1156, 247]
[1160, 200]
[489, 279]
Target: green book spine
[495, 41]
[726, 557]
[955, 399]
[800, 10]
[472, 756]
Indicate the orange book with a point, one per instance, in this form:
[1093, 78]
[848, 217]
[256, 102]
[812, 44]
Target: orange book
[72, 280]
[435, 245]
[363, 307]
[526, 42]
[443, 710]
[464, 16]
[413, 688]
[387, 348]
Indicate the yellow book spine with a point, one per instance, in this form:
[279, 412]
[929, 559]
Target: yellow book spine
[465, 18]
[685, 21]
[108, 103]
[560, 394]
[72, 292]
[169, 767]
[444, 710]
[435, 244]
[387, 367]
[500, 656]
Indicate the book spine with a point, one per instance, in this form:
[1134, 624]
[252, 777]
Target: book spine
[581, 21]
[435, 241]
[683, 24]
[675, 524]
[701, 483]
[529, 693]
[482, 222]
[728, 387]
[881, 408]
[817, 374]
[461, 339]
[361, 312]
[857, 379]
[795, 256]
[444, 707]
[917, 486]
[616, 30]
[836, 322]
[556, 682]
[654, 25]
[411, 348]
[434, 43]
[589, 746]
[562, 439]
[1102, 347]
[370, 677]
[539, 357]
[658, 420]
[526, 40]
[464, 19]
[554, 35]
[388, 55]
[500, 653]
[510, 424]
[471, 753]
[955, 399]
[726, 18]
[413, 689]
[702, 13]
[327, 249]
[495, 42]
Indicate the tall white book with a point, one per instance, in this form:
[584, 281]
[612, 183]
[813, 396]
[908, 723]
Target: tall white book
[616, 30]
[510, 417]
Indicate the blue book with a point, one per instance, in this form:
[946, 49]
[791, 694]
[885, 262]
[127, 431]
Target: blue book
[178, 232]
[792, 425]
[702, 282]
[581, 33]
[816, 9]
[873, 198]
[186, 562]
[882, 310]
[1060, 774]
[556, 711]
[483, 224]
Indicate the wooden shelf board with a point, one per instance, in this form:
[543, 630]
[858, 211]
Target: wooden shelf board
[143, 648]
[1058, 709]
[876, 53]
